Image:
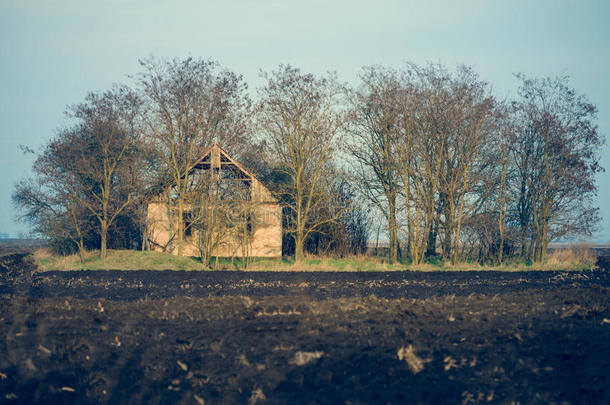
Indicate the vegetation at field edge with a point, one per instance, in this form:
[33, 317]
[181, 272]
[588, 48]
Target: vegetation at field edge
[561, 259]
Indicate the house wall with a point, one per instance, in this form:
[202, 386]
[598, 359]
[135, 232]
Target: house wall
[157, 220]
[266, 242]
[267, 238]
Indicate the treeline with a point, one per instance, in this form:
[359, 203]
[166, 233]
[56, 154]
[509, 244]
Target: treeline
[449, 168]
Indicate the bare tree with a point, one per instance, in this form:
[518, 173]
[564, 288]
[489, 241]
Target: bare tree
[375, 125]
[501, 147]
[300, 118]
[190, 104]
[472, 124]
[104, 150]
[221, 214]
[209, 218]
[448, 120]
[556, 150]
[419, 133]
[420, 155]
[86, 170]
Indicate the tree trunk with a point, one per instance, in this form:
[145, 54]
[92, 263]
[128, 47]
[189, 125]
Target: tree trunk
[144, 235]
[431, 243]
[81, 250]
[104, 237]
[544, 243]
[393, 230]
[501, 248]
[180, 224]
[298, 247]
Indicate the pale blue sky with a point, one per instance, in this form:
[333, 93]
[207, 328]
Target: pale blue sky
[53, 52]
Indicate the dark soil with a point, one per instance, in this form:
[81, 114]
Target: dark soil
[603, 262]
[358, 338]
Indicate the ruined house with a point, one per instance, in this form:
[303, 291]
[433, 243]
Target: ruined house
[229, 213]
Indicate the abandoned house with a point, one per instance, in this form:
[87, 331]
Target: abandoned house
[227, 212]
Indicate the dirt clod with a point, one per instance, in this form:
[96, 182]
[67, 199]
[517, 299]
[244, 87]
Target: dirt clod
[408, 355]
[302, 358]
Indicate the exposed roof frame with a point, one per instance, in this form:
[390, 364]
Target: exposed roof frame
[208, 152]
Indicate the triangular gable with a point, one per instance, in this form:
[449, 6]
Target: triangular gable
[223, 153]
[206, 159]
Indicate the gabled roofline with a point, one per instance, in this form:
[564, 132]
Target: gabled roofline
[208, 151]
[236, 163]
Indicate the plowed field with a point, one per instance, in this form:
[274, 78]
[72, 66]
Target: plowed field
[358, 338]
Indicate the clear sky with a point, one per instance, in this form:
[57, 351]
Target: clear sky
[53, 52]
